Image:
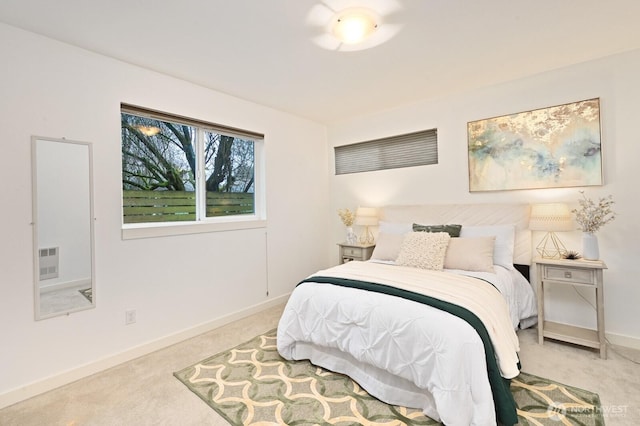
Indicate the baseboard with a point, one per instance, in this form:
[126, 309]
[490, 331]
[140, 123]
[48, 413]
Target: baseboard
[36, 388]
[622, 340]
[86, 282]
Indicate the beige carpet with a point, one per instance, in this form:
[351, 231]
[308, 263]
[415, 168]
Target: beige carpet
[145, 392]
[252, 385]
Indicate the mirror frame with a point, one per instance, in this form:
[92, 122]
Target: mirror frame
[34, 223]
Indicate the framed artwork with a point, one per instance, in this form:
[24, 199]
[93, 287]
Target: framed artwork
[552, 147]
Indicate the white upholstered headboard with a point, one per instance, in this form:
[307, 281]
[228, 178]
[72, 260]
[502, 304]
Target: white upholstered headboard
[470, 215]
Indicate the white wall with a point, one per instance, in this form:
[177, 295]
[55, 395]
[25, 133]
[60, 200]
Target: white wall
[175, 283]
[614, 80]
[179, 283]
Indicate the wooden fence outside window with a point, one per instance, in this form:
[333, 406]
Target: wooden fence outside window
[172, 206]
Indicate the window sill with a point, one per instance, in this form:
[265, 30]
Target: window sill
[152, 230]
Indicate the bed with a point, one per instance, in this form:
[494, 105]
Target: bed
[440, 338]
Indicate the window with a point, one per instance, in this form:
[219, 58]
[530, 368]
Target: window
[413, 149]
[177, 170]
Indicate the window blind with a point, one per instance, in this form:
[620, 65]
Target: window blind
[163, 116]
[409, 150]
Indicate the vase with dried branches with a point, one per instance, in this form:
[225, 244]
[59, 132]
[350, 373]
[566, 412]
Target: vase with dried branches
[592, 216]
[348, 217]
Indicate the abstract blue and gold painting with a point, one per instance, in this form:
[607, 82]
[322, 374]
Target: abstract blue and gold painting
[552, 147]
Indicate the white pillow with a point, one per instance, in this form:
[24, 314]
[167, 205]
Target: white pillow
[505, 240]
[387, 246]
[424, 250]
[394, 227]
[470, 254]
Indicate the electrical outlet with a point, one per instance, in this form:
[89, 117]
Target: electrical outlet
[129, 316]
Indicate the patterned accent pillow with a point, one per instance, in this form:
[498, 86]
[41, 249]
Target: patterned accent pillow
[424, 250]
[452, 230]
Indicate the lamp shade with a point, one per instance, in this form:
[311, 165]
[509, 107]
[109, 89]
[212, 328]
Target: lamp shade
[552, 217]
[366, 216]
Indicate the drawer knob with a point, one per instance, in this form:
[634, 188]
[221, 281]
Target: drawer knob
[567, 274]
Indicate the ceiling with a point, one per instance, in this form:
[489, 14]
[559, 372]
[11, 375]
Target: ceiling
[264, 51]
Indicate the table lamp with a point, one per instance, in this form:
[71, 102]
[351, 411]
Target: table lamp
[552, 217]
[366, 216]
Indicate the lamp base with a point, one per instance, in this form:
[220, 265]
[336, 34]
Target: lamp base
[551, 247]
[366, 237]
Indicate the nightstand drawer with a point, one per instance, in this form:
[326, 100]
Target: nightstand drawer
[352, 251]
[576, 275]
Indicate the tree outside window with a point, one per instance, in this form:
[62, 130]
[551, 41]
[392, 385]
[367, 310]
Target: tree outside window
[174, 171]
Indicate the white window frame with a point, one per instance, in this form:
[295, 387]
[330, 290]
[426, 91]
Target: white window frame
[205, 224]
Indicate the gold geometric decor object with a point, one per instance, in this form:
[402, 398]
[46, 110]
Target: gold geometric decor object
[552, 218]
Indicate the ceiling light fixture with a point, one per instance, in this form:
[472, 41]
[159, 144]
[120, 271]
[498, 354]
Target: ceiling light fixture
[352, 26]
[343, 26]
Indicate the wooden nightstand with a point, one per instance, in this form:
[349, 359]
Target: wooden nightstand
[584, 273]
[349, 252]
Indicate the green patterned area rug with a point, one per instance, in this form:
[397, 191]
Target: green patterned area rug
[252, 385]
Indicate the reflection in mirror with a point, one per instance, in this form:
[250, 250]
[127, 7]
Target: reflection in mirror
[63, 226]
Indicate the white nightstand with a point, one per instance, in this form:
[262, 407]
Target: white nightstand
[349, 252]
[583, 273]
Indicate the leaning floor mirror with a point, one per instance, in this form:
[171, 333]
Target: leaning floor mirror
[62, 226]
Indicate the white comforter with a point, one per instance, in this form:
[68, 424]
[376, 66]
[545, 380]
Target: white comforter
[515, 289]
[400, 351]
